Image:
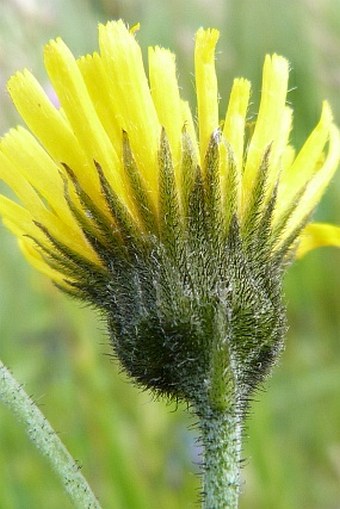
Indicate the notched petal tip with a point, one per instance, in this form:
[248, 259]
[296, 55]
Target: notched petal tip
[120, 25]
[20, 80]
[161, 55]
[55, 45]
[277, 62]
[117, 29]
[57, 56]
[205, 43]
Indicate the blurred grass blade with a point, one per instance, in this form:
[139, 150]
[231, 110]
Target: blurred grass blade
[46, 440]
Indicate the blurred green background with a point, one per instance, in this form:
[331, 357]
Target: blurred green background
[137, 453]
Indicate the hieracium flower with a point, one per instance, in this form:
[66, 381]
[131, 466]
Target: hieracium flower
[179, 235]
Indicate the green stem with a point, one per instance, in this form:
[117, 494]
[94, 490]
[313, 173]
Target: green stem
[46, 440]
[221, 437]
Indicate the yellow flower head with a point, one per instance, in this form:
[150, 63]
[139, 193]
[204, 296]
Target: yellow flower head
[110, 112]
[118, 178]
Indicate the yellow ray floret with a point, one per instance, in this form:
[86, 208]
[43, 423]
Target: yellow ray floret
[165, 95]
[49, 125]
[318, 235]
[316, 185]
[308, 159]
[206, 85]
[234, 131]
[98, 86]
[24, 159]
[271, 123]
[130, 97]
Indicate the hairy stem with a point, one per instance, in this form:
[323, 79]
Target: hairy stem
[46, 440]
[221, 438]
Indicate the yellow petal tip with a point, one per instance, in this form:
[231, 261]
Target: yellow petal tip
[206, 40]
